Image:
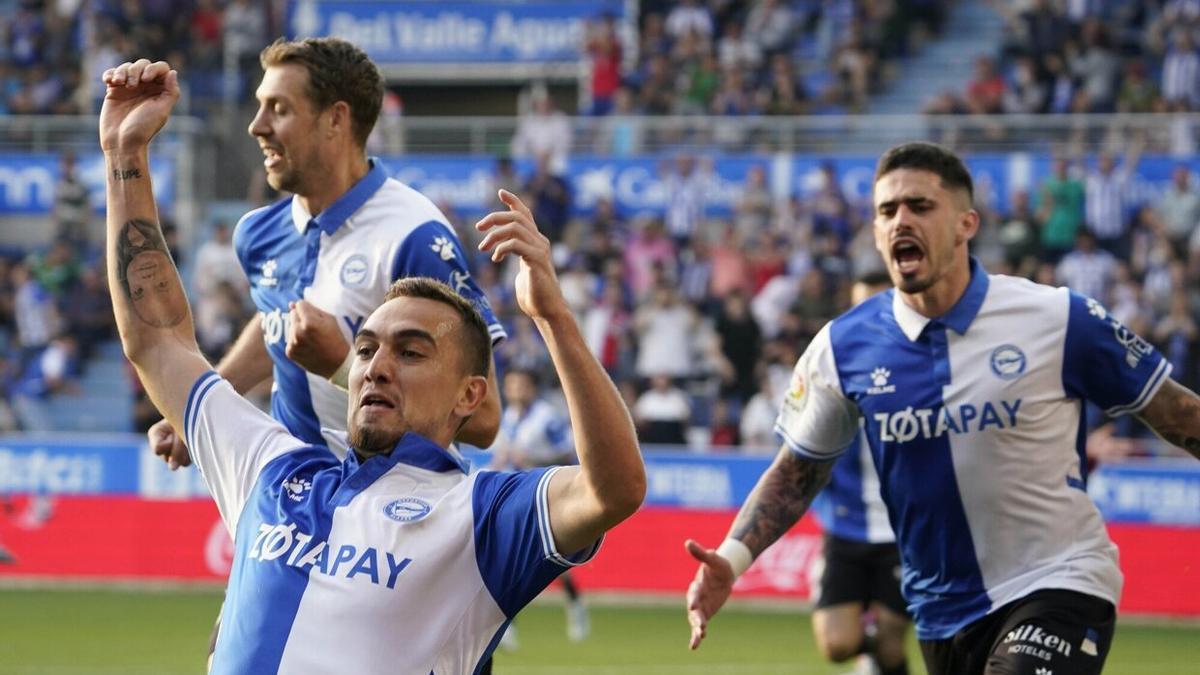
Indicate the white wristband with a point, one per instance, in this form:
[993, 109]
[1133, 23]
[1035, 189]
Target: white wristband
[341, 377]
[738, 555]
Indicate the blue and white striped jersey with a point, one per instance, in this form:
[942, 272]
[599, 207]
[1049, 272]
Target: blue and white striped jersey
[850, 506]
[976, 424]
[378, 231]
[401, 564]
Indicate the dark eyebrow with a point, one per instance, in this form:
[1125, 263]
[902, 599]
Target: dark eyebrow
[917, 200]
[397, 336]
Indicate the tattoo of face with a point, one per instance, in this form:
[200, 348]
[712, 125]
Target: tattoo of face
[126, 174]
[147, 275]
[786, 492]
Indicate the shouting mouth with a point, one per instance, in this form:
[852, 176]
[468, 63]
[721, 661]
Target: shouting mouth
[375, 403]
[907, 255]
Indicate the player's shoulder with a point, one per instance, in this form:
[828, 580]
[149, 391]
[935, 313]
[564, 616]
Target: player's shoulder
[865, 319]
[1007, 293]
[265, 215]
[398, 205]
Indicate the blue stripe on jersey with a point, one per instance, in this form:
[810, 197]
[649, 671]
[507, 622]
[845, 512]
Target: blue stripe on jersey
[200, 388]
[254, 634]
[1106, 363]
[509, 537]
[885, 373]
[449, 266]
[840, 507]
[1081, 450]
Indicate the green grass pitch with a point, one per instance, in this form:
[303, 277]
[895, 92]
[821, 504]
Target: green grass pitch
[74, 632]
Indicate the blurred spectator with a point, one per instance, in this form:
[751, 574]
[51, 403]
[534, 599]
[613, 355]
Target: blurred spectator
[741, 343]
[1181, 71]
[543, 130]
[505, 177]
[1175, 334]
[606, 327]
[52, 371]
[758, 418]
[217, 263]
[523, 349]
[87, 310]
[605, 54]
[665, 328]
[985, 93]
[549, 198]
[730, 265]
[1087, 269]
[783, 93]
[1179, 208]
[57, 269]
[689, 16]
[1060, 211]
[620, 134]
[36, 317]
[1138, 93]
[1019, 233]
[1097, 67]
[687, 184]
[1028, 94]
[1106, 192]
[770, 25]
[245, 30]
[735, 50]
[755, 206]
[656, 88]
[648, 248]
[662, 413]
[701, 77]
[221, 314]
[72, 210]
[724, 432]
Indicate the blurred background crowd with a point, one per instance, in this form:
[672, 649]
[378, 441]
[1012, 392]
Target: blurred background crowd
[698, 318]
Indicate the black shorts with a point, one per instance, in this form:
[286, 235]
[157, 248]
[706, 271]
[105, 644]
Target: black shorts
[862, 573]
[1051, 631]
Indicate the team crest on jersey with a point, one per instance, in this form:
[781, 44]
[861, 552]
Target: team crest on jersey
[443, 247]
[354, 271]
[1008, 362]
[407, 510]
[268, 273]
[297, 488]
[879, 378]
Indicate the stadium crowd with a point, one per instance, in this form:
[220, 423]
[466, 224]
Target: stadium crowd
[699, 319]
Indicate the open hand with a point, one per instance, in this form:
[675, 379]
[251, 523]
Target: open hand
[708, 591]
[514, 231]
[137, 103]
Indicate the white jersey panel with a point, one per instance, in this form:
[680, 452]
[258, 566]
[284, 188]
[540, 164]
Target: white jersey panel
[817, 420]
[1049, 533]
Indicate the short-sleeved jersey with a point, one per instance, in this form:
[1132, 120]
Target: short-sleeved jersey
[850, 507]
[378, 231]
[539, 432]
[401, 564]
[976, 424]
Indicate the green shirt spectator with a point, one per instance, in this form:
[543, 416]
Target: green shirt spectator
[1062, 209]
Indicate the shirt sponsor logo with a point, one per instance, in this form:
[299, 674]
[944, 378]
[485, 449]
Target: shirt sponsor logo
[296, 488]
[911, 423]
[407, 510]
[354, 271]
[294, 548]
[1008, 362]
[1135, 347]
[879, 378]
[1035, 641]
[274, 325]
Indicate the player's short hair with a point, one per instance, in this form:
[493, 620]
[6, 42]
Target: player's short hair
[929, 157]
[476, 344]
[337, 71]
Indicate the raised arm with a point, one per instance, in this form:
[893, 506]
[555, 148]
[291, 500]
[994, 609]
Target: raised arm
[1174, 414]
[610, 482]
[151, 309]
[777, 502]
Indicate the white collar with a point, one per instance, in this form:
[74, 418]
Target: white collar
[911, 321]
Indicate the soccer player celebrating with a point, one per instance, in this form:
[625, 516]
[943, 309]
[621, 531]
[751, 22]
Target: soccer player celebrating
[393, 560]
[972, 389]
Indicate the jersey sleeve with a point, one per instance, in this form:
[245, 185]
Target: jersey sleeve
[514, 545]
[230, 441]
[433, 250]
[1106, 363]
[816, 420]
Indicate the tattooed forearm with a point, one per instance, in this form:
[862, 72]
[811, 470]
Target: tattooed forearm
[126, 174]
[1174, 414]
[782, 495]
[147, 275]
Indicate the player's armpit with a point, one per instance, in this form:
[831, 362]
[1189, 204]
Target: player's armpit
[1174, 414]
[780, 498]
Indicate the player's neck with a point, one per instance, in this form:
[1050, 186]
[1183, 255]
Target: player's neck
[333, 183]
[943, 294]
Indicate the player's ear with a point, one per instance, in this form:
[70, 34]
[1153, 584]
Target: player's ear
[338, 118]
[471, 395]
[967, 227]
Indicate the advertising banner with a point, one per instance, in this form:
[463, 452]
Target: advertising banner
[453, 32]
[27, 181]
